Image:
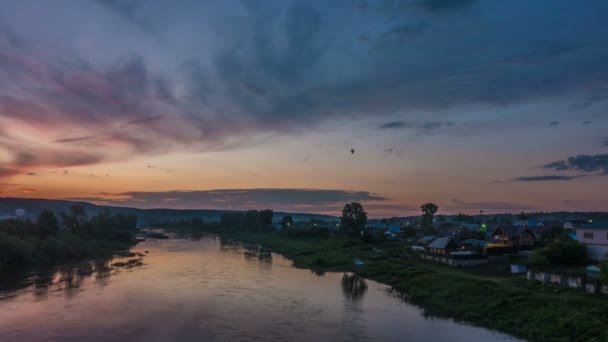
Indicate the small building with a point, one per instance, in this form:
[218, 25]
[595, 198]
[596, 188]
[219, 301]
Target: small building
[394, 229]
[443, 245]
[573, 224]
[473, 244]
[425, 240]
[377, 226]
[528, 223]
[595, 237]
[592, 272]
[518, 268]
[518, 237]
[473, 227]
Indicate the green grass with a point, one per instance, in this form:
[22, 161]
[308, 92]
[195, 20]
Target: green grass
[508, 304]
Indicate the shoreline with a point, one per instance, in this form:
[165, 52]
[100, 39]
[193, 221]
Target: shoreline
[498, 304]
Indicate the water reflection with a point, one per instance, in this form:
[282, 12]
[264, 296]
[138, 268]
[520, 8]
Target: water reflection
[66, 278]
[353, 286]
[318, 273]
[210, 289]
[253, 253]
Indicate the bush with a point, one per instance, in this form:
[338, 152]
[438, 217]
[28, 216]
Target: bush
[307, 232]
[560, 253]
[14, 250]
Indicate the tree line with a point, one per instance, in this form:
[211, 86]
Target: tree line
[251, 221]
[59, 236]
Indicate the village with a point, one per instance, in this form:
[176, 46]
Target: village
[505, 246]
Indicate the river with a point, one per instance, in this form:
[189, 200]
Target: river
[206, 290]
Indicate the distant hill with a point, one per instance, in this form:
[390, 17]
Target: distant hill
[33, 206]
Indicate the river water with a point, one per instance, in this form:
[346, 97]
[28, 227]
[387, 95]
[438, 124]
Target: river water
[207, 290]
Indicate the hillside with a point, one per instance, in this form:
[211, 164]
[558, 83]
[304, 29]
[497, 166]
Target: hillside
[33, 206]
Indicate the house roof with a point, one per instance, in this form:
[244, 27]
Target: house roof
[512, 231]
[442, 242]
[474, 242]
[470, 226]
[376, 225]
[394, 229]
[596, 225]
[428, 238]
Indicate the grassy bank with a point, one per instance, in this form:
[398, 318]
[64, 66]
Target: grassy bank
[511, 305]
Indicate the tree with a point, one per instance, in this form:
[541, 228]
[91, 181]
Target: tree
[353, 220]
[560, 253]
[287, 222]
[604, 270]
[47, 224]
[265, 217]
[428, 211]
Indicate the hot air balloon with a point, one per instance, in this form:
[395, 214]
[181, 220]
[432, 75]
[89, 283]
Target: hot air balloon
[352, 151]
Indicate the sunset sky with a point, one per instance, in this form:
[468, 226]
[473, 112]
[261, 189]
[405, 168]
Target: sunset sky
[490, 105]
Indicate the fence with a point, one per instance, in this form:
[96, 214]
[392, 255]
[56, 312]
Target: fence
[588, 285]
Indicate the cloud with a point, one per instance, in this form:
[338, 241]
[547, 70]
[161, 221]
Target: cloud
[581, 163]
[145, 120]
[299, 200]
[442, 6]
[554, 123]
[456, 205]
[426, 127]
[395, 125]
[277, 67]
[400, 32]
[605, 142]
[546, 178]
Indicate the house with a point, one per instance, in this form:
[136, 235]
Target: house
[573, 224]
[425, 240]
[473, 227]
[394, 229]
[473, 244]
[595, 237]
[376, 226]
[443, 245]
[528, 223]
[519, 237]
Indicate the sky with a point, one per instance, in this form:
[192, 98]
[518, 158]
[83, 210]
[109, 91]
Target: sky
[302, 106]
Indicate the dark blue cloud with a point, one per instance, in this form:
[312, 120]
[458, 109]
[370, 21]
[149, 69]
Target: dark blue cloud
[297, 200]
[548, 178]
[581, 163]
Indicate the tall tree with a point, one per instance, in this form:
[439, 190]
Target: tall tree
[604, 270]
[265, 217]
[428, 211]
[353, 220]
[287, 222]
[47, 223]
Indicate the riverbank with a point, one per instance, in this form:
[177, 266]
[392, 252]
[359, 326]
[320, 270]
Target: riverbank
[511, 305]
[31, 252]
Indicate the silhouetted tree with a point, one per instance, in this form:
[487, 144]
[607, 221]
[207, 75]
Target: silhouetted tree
[353, 220]
[47, 224]
[604, 270]
[265, 220]
[428, 211]
[353, 286]
[287, 222]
